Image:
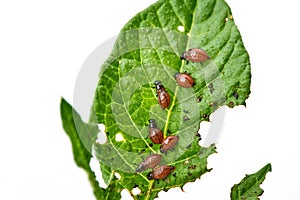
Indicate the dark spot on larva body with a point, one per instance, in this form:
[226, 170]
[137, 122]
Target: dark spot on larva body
[163, 96]
[190, 174]
[184, 80]
[155, 134]
[149, 162]
[160, 172]
[186, 111]
[195, 55]
[188, 146]
[168, 143]
[231, 104]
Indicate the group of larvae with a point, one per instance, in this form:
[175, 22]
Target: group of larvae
[155, 134]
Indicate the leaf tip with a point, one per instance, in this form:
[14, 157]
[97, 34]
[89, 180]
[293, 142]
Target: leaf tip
[63, 103]
[268, 167]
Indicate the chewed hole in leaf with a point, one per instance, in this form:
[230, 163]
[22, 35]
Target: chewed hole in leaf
[119, 137]
[126, 195]
[204, 129]
[181, 28]
[95, 166]
[135, 191]
[211, 131]
[118, 176]
[101, 136]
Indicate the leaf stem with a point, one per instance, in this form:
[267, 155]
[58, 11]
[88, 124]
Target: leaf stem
[149, 189]
[170, 112]
[172, 105]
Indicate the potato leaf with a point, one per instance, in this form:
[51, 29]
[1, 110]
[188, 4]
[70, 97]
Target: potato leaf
[249, 188]
[147, 49]
[82, 156]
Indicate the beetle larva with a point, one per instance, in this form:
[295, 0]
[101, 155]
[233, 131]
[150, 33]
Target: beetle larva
[162, 95]
[168, 143]
[194, 55]
[161, 172]
[149, 162]
[155, 134]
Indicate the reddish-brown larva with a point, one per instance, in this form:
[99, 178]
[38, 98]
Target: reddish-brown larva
[184, 80]
[161, 172]
[162, 95]
[168, 143]
[195, 55]
[155, 134]
[149, 162]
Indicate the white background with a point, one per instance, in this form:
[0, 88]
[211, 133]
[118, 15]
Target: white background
[43, 45]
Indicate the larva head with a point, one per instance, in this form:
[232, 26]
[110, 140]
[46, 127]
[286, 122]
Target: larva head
[182, 56]
[157, 82]
[150, 176]
[151, 121]
[140, 168]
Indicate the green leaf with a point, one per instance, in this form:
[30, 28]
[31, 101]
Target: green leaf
[147, 49]
[72, 123]
[248, 188]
